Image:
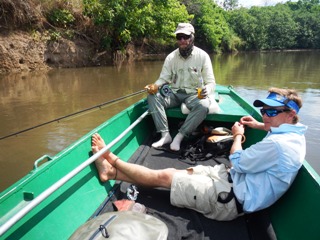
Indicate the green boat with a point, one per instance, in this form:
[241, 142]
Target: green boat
[63, 192]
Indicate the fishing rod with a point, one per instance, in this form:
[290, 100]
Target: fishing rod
[72, 114]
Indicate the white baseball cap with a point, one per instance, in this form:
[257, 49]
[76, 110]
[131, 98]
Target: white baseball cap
[185, 28]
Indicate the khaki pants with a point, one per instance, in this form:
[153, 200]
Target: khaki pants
[200, 191]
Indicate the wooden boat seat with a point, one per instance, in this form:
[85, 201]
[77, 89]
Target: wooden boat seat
[225, 101]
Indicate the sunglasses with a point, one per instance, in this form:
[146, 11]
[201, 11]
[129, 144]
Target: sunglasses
[185, 37]
[272, 112]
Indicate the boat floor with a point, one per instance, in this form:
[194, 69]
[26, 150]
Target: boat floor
[185, 223]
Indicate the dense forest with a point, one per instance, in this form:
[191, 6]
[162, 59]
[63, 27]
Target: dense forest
[149, 24]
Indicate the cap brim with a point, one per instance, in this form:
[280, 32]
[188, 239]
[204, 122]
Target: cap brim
[268, 102]
[183, 32]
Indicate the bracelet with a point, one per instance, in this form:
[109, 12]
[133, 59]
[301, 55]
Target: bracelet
[115, 162]
[114, 165]
[243, 137]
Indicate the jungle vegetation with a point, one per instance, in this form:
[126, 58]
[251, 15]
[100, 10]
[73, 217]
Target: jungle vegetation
[220, 27]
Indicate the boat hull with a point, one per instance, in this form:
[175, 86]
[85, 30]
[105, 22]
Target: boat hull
[72, 204]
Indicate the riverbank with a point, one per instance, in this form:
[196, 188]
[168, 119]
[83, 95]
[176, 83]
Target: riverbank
[36, 35]
[29, 41]
[22, 51]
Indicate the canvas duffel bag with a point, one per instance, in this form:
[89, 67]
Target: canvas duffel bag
[122, 225]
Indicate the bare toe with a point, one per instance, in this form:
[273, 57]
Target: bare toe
[97, 141]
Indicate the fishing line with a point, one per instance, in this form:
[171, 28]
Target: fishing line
[73, 114]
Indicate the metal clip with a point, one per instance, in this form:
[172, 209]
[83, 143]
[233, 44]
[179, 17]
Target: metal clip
[132, 192]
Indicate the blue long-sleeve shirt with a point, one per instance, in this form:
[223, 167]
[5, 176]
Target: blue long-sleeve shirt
[262, 173]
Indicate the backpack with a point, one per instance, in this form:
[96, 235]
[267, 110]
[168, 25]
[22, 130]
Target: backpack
[212, 143]
[122, 225]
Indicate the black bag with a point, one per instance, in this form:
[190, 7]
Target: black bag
[219, 141]
[213, 143]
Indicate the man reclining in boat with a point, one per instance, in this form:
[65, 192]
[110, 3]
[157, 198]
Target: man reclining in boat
[260, 174]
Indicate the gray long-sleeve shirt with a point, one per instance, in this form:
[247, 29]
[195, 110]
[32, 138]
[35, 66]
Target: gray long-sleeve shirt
[183, 73]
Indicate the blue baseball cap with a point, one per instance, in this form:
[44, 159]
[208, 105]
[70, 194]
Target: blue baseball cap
[277, 100]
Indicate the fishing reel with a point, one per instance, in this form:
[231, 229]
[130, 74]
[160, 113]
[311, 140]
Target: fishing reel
[165, 90]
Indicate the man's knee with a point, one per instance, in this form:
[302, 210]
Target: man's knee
[201, 107]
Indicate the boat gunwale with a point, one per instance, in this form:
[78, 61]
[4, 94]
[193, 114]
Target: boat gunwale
[44, 167]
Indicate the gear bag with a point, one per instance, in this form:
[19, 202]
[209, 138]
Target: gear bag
[213, 143]
[123, 225]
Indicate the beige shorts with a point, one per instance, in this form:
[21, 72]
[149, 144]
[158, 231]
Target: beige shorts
[200, 190]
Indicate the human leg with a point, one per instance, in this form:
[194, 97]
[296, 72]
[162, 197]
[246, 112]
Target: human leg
[105, 169]
[157, 105]
[110, 164]
[198, 112]
[206, 190]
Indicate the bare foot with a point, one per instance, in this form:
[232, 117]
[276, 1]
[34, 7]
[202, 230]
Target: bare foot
[105, 169]
[97, 140]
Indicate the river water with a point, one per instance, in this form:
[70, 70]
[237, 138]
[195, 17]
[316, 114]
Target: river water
[30, 99]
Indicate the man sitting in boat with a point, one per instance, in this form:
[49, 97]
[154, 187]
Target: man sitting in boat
[260, 174]
[187, 70]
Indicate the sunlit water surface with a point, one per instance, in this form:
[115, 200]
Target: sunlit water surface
[29, 99]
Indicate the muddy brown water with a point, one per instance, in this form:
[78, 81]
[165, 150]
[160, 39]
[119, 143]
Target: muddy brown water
[29, 99]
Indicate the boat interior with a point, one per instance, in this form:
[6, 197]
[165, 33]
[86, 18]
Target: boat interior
[288, 218]
[185, 223]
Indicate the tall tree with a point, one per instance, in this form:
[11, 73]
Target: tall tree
[230, 4]
[282, 29]
[210, 23]
[306, 14]
[128, 20]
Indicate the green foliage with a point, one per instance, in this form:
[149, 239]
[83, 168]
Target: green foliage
[290, 25]
[230, 4]
[244, 25]
[306, 15]
[284, 26]
[54, 36]
[60, 17]
[210, 24]
[231, 43]
[282, 29]
[134, 20]
[152, 22]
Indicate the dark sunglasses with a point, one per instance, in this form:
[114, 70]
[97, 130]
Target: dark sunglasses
[272, 112]
[185, 37]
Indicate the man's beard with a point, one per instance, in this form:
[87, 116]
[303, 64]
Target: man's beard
[188, 50]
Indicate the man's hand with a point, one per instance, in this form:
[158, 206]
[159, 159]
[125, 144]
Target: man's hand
[237, 128]
[204, 92]
[152, 88]
[251, 122]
